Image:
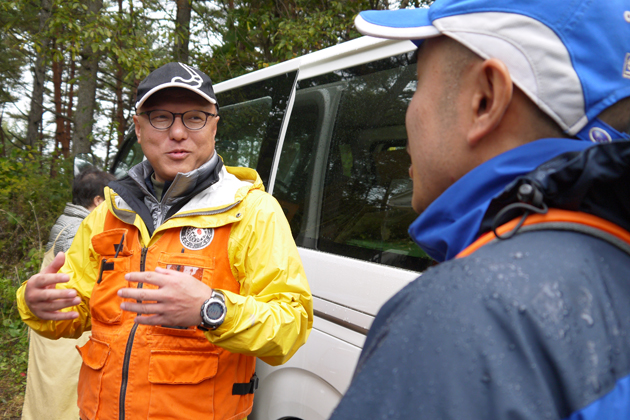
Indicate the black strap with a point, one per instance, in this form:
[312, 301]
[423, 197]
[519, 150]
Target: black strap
[246, 388]
[530, 200]
[105, 266]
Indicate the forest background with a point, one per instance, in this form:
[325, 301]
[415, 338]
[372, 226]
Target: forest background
[69, 70]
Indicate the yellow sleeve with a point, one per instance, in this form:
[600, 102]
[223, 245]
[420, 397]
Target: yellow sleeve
[82, 267]
[272, 317]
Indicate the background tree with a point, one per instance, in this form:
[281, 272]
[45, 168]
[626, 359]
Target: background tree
[253, 34]
[40, 44]
[88, 71]
[182, 30]
[12, 61]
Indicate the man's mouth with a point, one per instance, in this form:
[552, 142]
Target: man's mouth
[178, 154]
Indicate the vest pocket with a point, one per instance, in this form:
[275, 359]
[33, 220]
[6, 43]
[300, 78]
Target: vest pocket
[198, 266]
[94, 354]
[105, 302]
[176, 373]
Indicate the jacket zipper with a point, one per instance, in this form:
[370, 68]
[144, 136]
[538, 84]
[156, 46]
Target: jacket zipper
[128, 348]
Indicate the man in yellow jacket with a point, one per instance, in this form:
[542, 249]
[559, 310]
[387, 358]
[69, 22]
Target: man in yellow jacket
[185, 274]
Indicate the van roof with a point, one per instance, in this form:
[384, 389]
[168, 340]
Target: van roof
[347, 54]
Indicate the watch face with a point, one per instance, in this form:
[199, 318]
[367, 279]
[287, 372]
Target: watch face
[214, 310]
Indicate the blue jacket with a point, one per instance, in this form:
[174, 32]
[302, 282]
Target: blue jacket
[533, 327]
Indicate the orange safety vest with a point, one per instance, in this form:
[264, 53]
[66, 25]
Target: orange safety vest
[133, 371]
[559, 220]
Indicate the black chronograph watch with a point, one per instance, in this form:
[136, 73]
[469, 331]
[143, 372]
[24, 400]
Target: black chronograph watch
[213, 312]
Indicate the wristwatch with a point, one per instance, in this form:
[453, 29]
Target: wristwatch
[213, 312]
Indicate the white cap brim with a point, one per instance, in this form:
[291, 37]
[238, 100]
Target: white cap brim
[396, 24]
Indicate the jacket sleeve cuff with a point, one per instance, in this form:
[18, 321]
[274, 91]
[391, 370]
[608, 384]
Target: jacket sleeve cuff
[23, 309]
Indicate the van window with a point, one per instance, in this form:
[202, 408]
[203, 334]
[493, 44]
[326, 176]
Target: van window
[243, 132]
[343, 177]
[250, 122]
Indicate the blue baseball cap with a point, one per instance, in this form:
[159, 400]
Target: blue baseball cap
[571, 57]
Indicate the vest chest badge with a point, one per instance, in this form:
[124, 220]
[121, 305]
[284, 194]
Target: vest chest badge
[194, 238]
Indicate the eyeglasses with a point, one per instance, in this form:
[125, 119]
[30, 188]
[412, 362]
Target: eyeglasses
[193, 120]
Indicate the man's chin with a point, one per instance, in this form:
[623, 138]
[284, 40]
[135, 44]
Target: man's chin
[165, 177]
[418, 201]
[417, 207]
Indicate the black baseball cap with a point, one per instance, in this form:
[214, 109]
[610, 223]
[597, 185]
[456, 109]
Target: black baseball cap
[176, 75]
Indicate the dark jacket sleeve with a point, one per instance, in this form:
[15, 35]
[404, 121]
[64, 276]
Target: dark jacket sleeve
[529, 328]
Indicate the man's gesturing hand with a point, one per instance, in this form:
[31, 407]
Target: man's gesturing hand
[177, 302]
[44, 300]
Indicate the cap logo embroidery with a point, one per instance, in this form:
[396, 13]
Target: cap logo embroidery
[626, 67]
[626, 15]
[598, 135]
[195, 80]
[194, 238]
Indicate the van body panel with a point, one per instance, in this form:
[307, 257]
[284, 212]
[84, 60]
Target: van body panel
[351, 283]
[356, 52]
[347, 292]
[351, 53]
[311, 383]
[257, 76]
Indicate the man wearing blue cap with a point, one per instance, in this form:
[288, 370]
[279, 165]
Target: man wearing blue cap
[520, 166]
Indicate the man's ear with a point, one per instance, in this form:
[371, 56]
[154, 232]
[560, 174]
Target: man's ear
[136, 119]
[213, 128]
[491, 98]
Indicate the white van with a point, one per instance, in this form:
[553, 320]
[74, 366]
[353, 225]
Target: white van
[326, 132]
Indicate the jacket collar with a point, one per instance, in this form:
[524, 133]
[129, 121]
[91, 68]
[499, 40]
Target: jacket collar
[182, 185]
[217, 191]
[454, 220]
[594, 181]
[75, 210]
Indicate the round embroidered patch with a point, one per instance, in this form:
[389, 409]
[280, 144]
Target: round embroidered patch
[195, 238]
[597, 135]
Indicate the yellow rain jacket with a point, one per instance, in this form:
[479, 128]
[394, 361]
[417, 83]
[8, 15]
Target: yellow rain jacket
[234, 237]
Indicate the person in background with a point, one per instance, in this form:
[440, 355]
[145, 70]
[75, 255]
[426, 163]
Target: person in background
[185, 275]
[518, 137]
[53, 365]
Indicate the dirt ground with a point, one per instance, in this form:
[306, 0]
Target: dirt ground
[11, 399]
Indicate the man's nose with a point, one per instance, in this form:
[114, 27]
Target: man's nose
[178, 130]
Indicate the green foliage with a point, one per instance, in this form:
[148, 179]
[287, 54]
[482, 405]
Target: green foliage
[120, 37]
[258, 33]
[254, 34]
[13, 347]
[14, 336]
[30, 202]
[12, 57]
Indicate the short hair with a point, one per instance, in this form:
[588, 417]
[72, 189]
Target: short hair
[88, 184]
